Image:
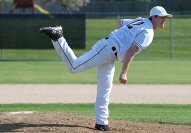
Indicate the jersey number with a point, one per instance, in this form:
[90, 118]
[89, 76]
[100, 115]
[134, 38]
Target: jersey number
[133, 24]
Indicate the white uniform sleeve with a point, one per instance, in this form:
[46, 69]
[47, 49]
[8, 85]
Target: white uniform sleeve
[143, 40]
[123, 22]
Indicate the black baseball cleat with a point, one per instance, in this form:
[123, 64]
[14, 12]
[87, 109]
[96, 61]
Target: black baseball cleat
[102, 127]
[54, 33]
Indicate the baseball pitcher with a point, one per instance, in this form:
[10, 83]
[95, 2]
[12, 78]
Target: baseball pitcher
[132, 37]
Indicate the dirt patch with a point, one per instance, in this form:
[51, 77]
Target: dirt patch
[57, 122]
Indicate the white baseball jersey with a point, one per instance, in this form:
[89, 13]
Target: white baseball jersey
[103, 56]
[139, 30]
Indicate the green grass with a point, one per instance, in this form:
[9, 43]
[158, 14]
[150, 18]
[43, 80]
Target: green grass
[96, 29]
[168, 114]
[44, 66]
[55, 72]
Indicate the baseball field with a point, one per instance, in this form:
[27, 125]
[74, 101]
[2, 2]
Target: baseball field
[160, 85]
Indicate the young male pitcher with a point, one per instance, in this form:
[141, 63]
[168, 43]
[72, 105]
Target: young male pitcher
[123, 44]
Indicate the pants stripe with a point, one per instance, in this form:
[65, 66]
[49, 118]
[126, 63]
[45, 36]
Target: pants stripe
[83, 62]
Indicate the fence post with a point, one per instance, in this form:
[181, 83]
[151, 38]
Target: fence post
[118, 16]
[2, 54]
[172, 39]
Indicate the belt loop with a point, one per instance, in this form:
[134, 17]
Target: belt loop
[114, 50]
[106, 38]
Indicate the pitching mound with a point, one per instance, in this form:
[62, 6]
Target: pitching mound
[56, 122]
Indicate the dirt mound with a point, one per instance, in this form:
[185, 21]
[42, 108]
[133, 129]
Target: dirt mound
[57, 122]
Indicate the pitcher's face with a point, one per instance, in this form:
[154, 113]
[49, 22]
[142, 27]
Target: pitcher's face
[159, 22]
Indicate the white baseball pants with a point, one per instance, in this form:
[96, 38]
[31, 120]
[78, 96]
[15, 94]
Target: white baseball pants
[102, 56]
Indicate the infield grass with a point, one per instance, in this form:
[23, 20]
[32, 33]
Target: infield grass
[167, 114]
[55, 72]
[152, 66]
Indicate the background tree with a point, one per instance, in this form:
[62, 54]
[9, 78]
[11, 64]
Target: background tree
[68, 5]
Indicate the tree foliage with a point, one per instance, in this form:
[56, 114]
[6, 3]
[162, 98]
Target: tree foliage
[68, 5]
